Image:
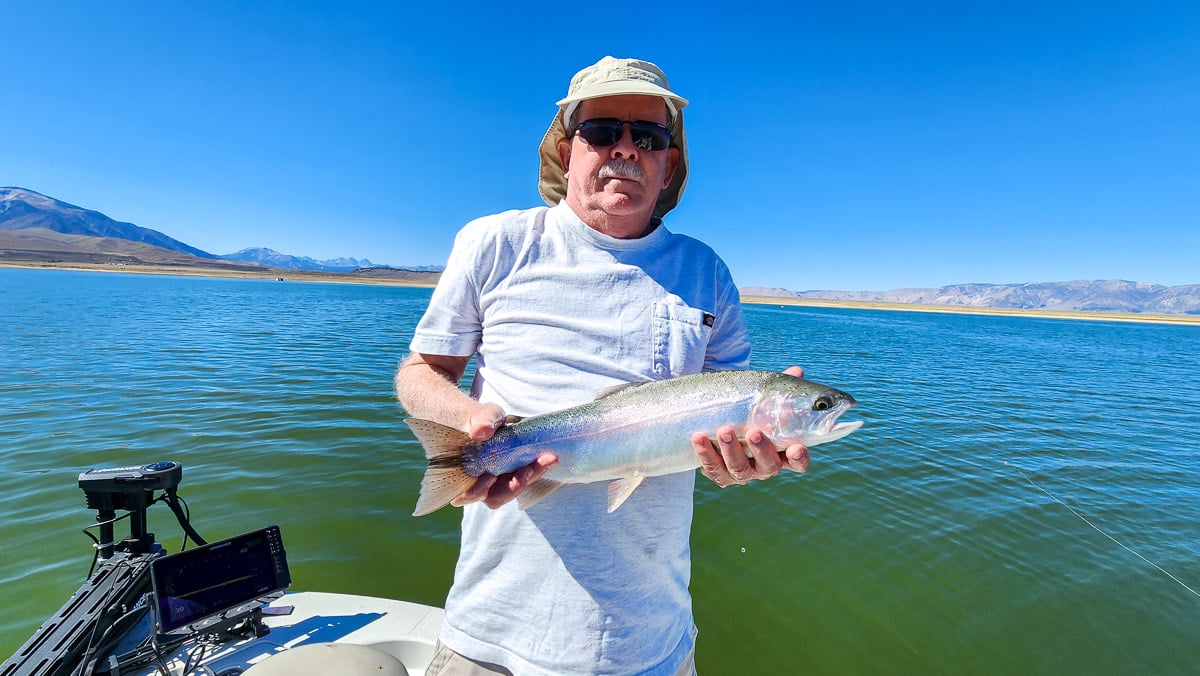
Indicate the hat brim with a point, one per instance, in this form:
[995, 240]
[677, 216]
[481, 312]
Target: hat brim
[623, 87]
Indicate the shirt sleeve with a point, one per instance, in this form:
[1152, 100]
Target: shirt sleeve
[452, 324]
[729, 346]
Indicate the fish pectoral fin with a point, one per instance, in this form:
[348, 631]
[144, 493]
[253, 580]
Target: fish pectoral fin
[536, 492]
[620, 490]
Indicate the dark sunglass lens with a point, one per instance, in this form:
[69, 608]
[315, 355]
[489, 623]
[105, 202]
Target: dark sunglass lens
[650, 136]
[600, 132]
[606, 131]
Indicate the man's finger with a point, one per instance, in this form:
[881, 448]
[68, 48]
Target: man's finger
[797, 458]
[766, 458]
[737, 463]
[477, 491]
[512, 485]
[485, 422]
[711, 464]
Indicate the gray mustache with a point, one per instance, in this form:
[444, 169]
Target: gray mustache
[622, 168]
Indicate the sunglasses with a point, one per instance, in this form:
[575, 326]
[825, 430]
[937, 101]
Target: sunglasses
[602, 132]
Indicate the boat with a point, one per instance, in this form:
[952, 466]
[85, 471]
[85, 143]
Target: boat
[217, 609]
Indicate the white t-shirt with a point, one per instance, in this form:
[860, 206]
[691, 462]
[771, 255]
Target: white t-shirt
[555, 312]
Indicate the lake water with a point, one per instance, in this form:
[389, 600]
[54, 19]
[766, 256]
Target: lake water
[1023, 498]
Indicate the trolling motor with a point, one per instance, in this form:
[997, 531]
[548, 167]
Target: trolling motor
[114, 598]
[131, 489]
[139, 601]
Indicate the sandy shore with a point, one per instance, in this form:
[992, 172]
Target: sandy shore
[1193, 320]
[245, 272]
[240, 272]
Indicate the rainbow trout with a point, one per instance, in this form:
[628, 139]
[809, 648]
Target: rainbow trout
[631, 432]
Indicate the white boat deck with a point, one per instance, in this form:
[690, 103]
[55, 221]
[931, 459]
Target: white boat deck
[407, 631]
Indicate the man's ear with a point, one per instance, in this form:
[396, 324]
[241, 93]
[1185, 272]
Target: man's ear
[672, 165]
[564, 154]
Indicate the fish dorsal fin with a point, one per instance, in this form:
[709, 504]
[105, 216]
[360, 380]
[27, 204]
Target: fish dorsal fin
[536, 492]
[620, 490]
[511, 419]
[609, 391]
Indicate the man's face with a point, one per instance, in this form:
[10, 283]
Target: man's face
[618, 183]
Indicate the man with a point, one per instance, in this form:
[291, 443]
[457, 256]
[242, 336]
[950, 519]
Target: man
[557, 304]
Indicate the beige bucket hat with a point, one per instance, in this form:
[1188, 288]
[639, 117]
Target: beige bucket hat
[612, 77]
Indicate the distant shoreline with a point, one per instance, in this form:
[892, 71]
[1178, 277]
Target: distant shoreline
[344, 278]
[227, 273]
[1147, 318]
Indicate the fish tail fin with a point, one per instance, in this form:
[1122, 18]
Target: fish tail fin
[445, 477]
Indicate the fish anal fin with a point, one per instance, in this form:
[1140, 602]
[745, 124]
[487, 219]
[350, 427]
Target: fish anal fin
[620, 490]
[537, 491]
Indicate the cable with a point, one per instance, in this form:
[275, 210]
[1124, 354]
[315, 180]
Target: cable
[149, 649]
[188, 667]
[162, 663]
[184, 518]
[95, 553]
[93, 644]
[96, 540]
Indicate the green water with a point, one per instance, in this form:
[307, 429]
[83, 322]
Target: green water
[917, 545]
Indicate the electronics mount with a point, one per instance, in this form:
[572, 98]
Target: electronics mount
[138, 599]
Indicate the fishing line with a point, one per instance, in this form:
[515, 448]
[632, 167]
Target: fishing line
[1098, 530]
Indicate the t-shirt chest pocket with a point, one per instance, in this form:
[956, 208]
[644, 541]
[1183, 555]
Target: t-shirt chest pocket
[680, 339]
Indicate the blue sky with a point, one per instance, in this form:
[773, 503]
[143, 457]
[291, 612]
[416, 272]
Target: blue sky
[834, 145]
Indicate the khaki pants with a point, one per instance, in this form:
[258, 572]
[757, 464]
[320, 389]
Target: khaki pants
[446, 662]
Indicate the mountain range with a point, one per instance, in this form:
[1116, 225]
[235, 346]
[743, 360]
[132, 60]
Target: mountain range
[275, 259]
[37, 228]
[34, 227]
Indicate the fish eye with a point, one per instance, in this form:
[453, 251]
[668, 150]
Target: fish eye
[823, 403]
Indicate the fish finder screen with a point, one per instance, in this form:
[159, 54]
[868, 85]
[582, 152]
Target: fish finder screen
[197, 584]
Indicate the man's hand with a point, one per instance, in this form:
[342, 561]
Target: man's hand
[494, 491]
[725, 461]
[483, 422]
[427, 386]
